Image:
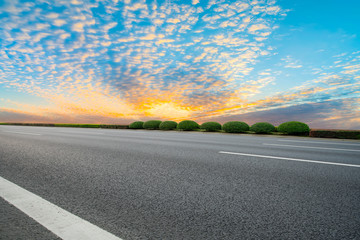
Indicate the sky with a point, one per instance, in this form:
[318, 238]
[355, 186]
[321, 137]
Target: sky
[119, 61]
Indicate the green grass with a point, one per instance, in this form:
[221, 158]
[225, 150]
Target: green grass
[77, 125]
[113, 126]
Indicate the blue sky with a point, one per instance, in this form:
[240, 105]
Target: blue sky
[118, 61]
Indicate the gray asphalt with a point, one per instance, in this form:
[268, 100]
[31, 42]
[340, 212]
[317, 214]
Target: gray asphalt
[141, 184]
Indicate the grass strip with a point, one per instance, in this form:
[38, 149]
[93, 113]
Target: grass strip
[110, 126]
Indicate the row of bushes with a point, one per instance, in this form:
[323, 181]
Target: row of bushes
[293, 128]
[343, 134]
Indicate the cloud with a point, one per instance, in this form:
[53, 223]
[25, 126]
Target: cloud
[291, 63]
[273, 10]
[131, 60]
[173, 20]
[333, 114]
[52, 15]
[40, 36]
[109, 26]
[14, 7]
[149, 37]
[78, 27]
[161, 41]
[194, 2]
[256, 27]
[65, 35]
[59, 22]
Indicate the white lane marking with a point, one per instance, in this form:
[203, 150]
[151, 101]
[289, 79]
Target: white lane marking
[351, 144]
[291, 159]
[37, 134]
[62, 223]
[293, 146]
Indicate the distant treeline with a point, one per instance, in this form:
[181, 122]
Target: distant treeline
[113, 126]
[230, 127]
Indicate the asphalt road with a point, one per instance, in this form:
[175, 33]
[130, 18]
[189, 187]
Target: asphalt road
[140, 184]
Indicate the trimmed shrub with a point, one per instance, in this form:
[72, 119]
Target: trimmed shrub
[262, 127]
[344, 134]
[211, 126]
[136, 125]
[188, 125]
[235, 127]
[168, 125]
[294, 128]
[152, 124]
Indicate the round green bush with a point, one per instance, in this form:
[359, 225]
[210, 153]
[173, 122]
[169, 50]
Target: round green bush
[152, 124]
[168, 125]
[294, 128]
[188, 125]
[136, 125]
[235, 127]
[262, 127]
[211, 126]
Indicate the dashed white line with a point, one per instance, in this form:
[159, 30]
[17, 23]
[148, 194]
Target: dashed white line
[291, 159]
[36, 134]
[336, 143]
[294, 146]
[62, 223]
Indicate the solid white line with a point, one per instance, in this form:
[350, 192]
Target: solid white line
[62, 223]
[335, 149]
[291, 159]
[37, 134]
[351, 144]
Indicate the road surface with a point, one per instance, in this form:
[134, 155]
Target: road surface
[138, 184]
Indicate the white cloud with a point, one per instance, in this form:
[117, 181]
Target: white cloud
[41, 26]
[173, 20]
[153, 43]
[194, 2]
[109, 26]
[52, 15]
[39, 36]
[64, 35]
[76, 2]
[78, 27]
[273, 10]
[59, 22]
[291, 63]
[256, 27]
